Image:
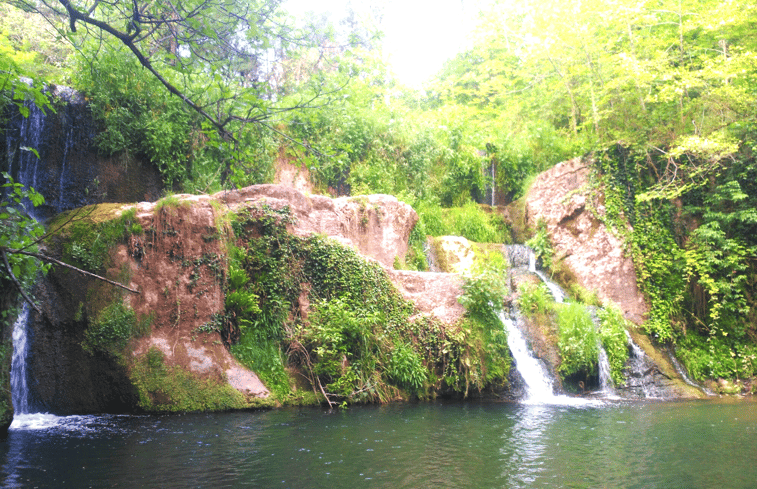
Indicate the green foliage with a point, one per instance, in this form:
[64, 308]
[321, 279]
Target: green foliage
[577, 340]
[356, 325]
[658, 263]
[164, 388]
[6, 404]
[406, 369]
[19, 231]
[140, 119]
[534, 299]
[612, 333]
[29, 42]
[112, 329]
[716, 357]
[469, 221]
[542, 245]
[346, 351]
[483, 295]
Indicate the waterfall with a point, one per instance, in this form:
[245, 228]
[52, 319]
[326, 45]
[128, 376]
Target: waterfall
[521, 256]
[494, 185]
[639, 369]
[682, 372]
[19, 388]
[65, 165]
[605, 380]
[431, 259]
[539, 385]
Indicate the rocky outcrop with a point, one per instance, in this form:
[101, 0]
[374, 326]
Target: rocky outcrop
[435, 294]
[177, 266]
[580, 240]
[377, 226]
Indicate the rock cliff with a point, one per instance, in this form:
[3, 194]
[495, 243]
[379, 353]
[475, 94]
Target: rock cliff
[560, 197]
[177, 266]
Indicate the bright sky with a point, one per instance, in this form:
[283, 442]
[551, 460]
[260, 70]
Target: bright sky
[419, 35]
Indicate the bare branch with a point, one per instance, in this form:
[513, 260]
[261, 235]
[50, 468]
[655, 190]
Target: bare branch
[50, 259]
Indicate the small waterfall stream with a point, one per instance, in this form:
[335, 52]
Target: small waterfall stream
[19, 388]
[539, 385]
[605, 380]
[682, 372]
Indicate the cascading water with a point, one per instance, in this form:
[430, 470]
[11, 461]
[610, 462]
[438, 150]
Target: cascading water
[54, 153]
[539, 385]
[523, 258]
[494, 184]
[605, 379]
[682, 372]
[554, 289]
[19, 388]
[23, 417]
[639, 372]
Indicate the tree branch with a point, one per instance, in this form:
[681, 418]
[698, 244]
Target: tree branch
[50, 259]
[16, 282]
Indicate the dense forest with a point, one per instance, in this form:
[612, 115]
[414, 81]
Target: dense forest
[659, 94]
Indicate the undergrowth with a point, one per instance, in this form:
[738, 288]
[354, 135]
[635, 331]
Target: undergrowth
[612, 332]
[577, 341]
[359, 340]
[112, 329]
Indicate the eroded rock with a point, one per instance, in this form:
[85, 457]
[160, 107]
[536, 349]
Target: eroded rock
[594, 255]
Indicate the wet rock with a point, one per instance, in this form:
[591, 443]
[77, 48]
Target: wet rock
[70, 172]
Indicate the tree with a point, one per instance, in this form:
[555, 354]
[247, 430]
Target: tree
[222, 58]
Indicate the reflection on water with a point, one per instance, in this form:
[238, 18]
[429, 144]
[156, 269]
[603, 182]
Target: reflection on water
[525, 459]
[686, 444]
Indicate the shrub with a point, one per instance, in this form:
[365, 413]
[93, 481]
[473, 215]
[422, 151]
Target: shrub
[577, 340]
[534, 299]
[113, 328]
[612, 332]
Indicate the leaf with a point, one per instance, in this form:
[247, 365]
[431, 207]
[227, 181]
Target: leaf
[32, 150]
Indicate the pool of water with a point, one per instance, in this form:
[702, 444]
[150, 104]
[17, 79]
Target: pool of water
[478, 445]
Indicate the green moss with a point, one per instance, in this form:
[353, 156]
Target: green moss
[89, 234]
[165, 388]
[169, 202]
[114, 326]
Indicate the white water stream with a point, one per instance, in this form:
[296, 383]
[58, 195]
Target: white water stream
[538, 382]
[23, 419]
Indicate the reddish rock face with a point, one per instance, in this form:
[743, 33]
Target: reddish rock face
[590, 251]
[377, 226]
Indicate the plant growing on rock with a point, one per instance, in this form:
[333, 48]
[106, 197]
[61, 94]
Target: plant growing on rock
[612, 332]
[542, 245]
[359, 340]
[577, 341]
